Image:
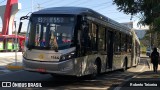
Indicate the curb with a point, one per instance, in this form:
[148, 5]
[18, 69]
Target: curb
[14, 67]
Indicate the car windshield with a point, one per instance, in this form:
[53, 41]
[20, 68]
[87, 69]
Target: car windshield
[50, 32]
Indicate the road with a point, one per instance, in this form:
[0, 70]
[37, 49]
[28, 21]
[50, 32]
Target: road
[7, 58]
[111, 80]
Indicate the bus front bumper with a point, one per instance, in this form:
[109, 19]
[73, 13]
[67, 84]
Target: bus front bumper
[62, 68]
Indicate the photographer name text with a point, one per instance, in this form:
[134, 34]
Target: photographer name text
[143, 84]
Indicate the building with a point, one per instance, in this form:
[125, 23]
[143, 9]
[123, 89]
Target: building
[140, 30]
[128, 24]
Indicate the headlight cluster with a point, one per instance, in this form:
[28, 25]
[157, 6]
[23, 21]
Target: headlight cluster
[67, 56]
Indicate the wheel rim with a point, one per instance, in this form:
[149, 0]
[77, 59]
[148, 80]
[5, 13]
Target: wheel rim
[95, 70]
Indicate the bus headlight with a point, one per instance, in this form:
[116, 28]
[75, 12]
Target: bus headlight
[67, 56]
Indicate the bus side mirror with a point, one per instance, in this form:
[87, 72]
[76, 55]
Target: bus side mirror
[20, 27]
[20, 24]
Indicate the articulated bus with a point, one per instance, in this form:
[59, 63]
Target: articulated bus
[78, 41]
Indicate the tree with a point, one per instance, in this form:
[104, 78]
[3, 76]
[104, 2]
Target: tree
[156, 24]
[147, 9]
[149, 12]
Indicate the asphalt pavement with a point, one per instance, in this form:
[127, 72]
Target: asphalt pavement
[10, 61]
[134, 78]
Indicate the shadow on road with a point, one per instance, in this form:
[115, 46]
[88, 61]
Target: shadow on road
[144, 79]
[108, 80]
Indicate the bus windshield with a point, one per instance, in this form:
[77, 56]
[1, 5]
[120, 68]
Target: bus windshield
[50, 32]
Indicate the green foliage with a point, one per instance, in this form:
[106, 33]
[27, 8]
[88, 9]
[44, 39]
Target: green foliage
[147, 8]
[127, 6]
[156, 24]
[149, 12]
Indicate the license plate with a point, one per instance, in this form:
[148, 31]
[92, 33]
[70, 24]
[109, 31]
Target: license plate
[41, 70]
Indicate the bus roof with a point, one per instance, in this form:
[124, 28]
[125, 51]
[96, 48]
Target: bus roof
[64, 10]
[85, 11]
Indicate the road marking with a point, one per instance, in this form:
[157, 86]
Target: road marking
[3, 64]
[142, 68]
[5, 71]
[6, 61]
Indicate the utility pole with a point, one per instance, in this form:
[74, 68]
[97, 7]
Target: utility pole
[151, 37]
[16, 44]
[31, 5]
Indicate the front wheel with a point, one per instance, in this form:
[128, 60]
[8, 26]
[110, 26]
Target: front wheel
[95, 71]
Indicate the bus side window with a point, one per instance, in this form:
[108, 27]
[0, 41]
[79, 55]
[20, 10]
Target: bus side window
[85, 38]
[123, 43]
[117, 46]
[101, 38]
[79, 42]
[93, 36]
[130, 43]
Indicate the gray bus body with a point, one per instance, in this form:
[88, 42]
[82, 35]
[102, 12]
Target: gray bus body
[69, 40]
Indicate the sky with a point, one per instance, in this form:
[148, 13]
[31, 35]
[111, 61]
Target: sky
[104, 7]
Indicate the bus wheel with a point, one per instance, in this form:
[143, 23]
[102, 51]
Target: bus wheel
[95, 71]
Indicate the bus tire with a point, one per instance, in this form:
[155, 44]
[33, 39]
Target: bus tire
[96, 69]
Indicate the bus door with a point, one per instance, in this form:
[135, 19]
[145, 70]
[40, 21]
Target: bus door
[110, 49]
